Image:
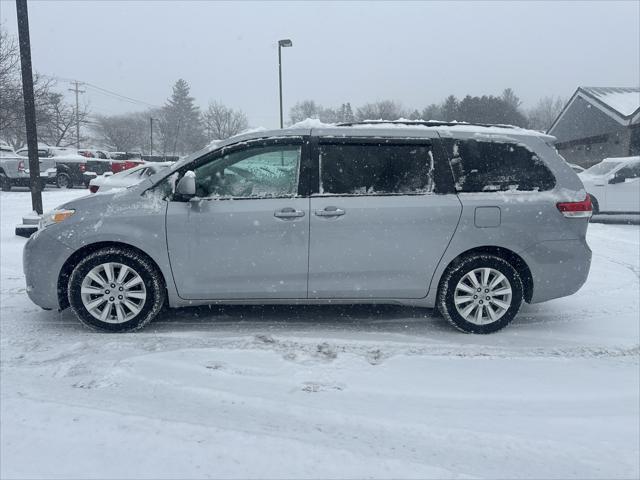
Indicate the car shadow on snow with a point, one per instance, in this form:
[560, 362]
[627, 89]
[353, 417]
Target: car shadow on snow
[319, 319]
[244, 319]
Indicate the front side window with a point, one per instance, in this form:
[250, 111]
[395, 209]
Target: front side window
[258, 172]
[480, 166]
[376, 169]
[630, 171]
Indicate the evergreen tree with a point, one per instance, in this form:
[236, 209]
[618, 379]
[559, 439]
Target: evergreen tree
[489, 109]
[432, 112]
[511, 99]
[181, 124]
[348, 113]
[449, 109]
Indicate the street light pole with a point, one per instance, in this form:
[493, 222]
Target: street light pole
[29, 104]
[281, 44]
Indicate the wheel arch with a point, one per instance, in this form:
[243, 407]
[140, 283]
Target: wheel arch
[595, 204]
[509, 255]
[72, 261]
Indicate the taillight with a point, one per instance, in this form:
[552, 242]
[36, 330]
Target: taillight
[93, 188]
[21, 166]
[581, 209]
[83, 167]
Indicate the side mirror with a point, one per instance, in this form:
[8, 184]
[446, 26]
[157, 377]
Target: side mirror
[616, 179]
[187, 185]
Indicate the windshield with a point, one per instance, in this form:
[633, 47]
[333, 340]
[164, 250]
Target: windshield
[602, 168]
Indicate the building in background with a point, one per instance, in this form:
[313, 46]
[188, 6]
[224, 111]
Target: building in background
[598, 122]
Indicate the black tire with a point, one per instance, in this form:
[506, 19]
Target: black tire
[595, 206]
[63, 181]
[446, 294]
[151, 276]
[5, 183]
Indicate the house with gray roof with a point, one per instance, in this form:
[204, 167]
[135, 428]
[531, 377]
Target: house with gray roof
[597, 123]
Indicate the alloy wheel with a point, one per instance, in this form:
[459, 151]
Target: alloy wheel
[483, 296]
[113, 292]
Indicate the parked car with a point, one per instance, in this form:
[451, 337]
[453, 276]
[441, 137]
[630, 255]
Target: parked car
[94, 154]
[14, 170]
[614, 185]
[126, 160]
[470, 219]
[576, 168]
[67, 168]
[126, 178]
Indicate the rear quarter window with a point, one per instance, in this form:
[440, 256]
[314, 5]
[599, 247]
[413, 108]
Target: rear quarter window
[491, 166]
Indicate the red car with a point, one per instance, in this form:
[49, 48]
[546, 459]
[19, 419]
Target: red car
[124, 161]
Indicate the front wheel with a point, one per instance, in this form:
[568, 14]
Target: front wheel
[116, 290]
[5, 183]
[481, 294]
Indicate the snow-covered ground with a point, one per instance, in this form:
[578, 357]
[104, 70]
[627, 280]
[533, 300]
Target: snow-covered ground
[325, 391]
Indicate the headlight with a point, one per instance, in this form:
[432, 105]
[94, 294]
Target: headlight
[55, 216]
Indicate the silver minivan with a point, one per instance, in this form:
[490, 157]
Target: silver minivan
[469, 219]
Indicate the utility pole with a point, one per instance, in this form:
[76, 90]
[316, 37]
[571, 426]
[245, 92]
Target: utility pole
[77, 91]
[150, 136]
[29, 104]
[175, 143]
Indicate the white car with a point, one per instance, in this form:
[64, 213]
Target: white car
[126, 178]
[614, 185]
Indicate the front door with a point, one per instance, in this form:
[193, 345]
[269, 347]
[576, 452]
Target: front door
[624, 194]
[378, 227]
[246, 234]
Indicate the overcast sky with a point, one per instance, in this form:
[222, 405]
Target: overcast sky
[415, 53]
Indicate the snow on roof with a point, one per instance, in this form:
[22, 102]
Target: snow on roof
[624, 100]
[446, 127]
[312, 123]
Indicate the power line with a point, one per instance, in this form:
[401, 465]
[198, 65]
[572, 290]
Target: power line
[124, 97]
[104, 91]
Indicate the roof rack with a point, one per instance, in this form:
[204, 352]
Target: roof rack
[424, 123]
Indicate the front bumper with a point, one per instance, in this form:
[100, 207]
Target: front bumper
[559, 268]
[42, 260]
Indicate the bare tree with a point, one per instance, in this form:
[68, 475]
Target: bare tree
[58, 119]
[12, 122]
[547, 109]
[303, 110]
[124, 133]
[222, 122]
[382, 110]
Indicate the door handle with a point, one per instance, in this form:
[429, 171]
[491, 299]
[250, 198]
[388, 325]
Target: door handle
[288, 213]
[330, 212]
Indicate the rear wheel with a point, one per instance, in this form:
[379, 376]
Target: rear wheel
[481, 294]
[63, 181]
[116, 290]
[5, 183]
[595, 206]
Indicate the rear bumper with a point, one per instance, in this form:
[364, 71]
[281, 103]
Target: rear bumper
[42, 260]
[559, 268]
